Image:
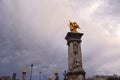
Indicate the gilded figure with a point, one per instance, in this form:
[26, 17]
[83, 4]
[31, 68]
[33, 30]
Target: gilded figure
[73, 26]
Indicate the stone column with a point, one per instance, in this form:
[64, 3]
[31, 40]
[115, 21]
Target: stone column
[75, 69]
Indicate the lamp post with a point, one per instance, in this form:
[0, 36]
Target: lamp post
[31, 72]
[65, 75]
[56, 75]
[50, 77]
[39, 75]
[24, 73]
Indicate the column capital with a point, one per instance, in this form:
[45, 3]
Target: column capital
[71, 36]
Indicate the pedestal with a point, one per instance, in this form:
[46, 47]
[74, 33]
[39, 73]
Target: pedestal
[75, 70]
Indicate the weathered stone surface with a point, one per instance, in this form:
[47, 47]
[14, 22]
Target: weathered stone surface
[75, 70]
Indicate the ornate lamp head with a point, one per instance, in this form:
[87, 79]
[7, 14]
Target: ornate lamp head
[25, 69]
[50, 77]
[56, 71]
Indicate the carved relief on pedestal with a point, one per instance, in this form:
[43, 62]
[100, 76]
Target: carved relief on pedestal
[76, 63]
[76, 66]
[75, 47]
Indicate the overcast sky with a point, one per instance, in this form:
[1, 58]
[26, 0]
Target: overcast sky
[33, 32]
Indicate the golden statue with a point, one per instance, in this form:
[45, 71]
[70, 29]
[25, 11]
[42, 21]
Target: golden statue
[73, 26]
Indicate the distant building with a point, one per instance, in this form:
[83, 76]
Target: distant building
[104, 77]
[100, 78]
[5, 78]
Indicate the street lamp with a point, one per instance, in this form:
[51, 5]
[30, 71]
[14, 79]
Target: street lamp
[56, 75]
[50, 77]
[24, 73]
[31, 72]
[65, 75]
[39, 75]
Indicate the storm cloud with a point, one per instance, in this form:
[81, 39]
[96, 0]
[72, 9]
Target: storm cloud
[33, 31]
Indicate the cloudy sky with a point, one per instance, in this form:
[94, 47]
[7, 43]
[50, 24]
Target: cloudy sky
[33, 31]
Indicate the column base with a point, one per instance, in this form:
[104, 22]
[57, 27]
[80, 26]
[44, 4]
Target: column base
[76, 75]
